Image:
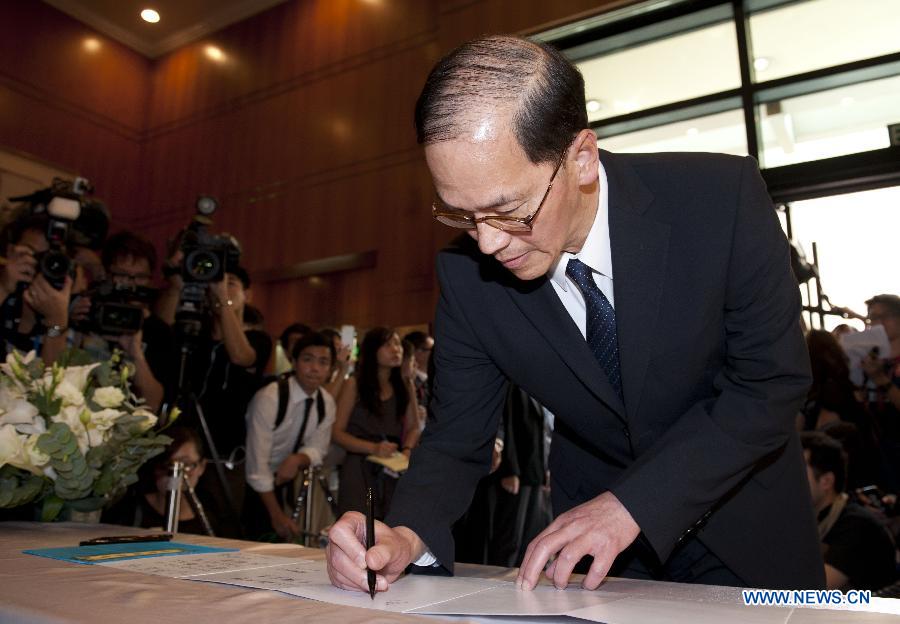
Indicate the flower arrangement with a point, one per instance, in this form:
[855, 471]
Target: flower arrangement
[71, 434]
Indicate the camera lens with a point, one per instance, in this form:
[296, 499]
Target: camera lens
[202, 265]
[55, 266]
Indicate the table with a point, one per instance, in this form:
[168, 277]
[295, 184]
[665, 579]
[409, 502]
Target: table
[47, 591]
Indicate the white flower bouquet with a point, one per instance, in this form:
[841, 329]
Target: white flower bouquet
[72, 434]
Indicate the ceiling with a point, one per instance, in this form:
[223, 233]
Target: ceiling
[182, 21]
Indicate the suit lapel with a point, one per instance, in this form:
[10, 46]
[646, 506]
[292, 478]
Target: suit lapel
[542, 307]
[639, 251]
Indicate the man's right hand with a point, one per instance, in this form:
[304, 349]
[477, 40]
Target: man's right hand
[21, 266]
[394, 549]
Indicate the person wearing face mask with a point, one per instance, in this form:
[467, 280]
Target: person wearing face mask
[144, 504]
[377, 414]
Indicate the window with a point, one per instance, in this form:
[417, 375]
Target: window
[834, 122]
[803, 36]
[856, 243]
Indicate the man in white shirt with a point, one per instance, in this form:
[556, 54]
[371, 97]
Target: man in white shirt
[288, 429]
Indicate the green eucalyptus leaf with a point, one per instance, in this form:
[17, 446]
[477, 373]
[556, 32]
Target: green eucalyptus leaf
[51, 508]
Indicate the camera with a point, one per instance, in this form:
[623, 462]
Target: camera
[115, 309]
[207, 257]
[71, 219]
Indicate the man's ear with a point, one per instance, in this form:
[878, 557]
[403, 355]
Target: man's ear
[584, 152]
[827, 480]
[248, 295]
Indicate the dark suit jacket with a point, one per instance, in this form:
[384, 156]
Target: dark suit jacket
[714, 370]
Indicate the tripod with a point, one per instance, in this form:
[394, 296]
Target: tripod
[304, 504]
[177, 482]
[189, 403]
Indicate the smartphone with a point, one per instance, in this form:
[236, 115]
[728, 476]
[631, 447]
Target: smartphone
[348, 335]
[873, 494]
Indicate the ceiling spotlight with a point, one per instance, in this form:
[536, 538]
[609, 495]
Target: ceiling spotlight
[91, 44]
[214, 53]
[593, 105]
[149, 15]
[761, 63]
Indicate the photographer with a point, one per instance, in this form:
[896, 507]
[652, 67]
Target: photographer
[129, 261]
[34, 314]
[226, 369]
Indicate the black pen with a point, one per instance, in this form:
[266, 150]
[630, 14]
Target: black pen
[370, 537]
[127, 539]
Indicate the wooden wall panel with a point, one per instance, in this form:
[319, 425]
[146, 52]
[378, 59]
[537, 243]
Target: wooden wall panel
[303, 130]
[78, 106]
[291, 43]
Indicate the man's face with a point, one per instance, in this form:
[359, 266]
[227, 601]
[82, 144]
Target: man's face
[423, 353]
[129, 271]
[818, 486]
[35, 240]
[312, 367]
[236, 291]
[486, 172]
[880, 314]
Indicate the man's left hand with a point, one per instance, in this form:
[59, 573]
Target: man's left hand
[601, 527]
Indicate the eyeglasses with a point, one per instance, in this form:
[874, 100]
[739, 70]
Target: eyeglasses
[124, 278]
[507, 224]
[189, 466]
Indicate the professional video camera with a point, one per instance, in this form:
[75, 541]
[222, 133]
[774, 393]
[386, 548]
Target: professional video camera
[207, 257]
[71, 219]
[116, 309]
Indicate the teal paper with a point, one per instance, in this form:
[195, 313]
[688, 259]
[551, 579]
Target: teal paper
[104, 553]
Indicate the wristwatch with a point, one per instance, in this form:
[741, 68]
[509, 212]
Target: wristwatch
[54, 331]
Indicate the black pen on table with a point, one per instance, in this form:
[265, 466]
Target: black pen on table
[370, 537]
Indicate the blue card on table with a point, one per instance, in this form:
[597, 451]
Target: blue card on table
[103, 553]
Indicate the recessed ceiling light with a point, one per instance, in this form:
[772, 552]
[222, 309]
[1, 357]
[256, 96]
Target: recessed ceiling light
[593, 105]
[91, 44]
[214, 53]
[149, 15]
[693, 131]
[761, 63]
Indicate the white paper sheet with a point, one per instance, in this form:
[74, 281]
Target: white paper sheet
[857, 345]
[639, 609]
[187, 566]
[507, 600]
[618, 601]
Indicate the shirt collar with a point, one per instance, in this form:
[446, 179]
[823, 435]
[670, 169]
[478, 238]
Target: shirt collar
[296, 393]
[596, 250]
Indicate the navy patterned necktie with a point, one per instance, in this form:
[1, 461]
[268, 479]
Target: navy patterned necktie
[601, 322]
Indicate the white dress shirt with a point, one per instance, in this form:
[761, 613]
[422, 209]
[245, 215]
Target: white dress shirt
[267, 447]
[596, 254]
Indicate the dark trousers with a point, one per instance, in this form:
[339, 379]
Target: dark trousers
[225, 519]
[517, 519]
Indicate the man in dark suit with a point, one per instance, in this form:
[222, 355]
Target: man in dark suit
[646, 301]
